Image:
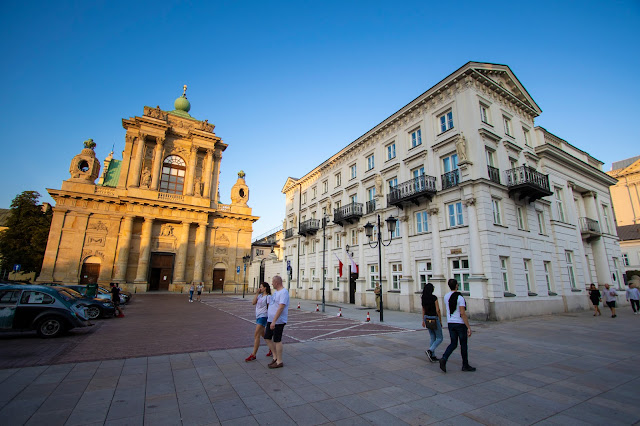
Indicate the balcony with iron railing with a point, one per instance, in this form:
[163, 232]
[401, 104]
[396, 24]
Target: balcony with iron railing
[494, 174]
[589, 229]
[371, 206]
[525, 182]
[348, 213]
[309, 227]
[288, 233]
[450, 179]
[412, 191]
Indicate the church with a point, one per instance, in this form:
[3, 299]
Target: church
[153, 220]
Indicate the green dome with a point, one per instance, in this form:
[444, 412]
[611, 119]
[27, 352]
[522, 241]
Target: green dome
[182, 104]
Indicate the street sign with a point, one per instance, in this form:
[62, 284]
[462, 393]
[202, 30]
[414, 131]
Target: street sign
[16, 267]
[238, 270]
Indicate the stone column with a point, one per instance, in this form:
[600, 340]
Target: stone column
[124, 247]
[199, 262]
[217, 157]
[477, 277]
[181, 257]
[603, 272]
[575, 215]
[137, 161]
[145, 250]
[126, 160]
[207, 174]
[53, 244]
[157, 163]
[193, 157]
[79, 231]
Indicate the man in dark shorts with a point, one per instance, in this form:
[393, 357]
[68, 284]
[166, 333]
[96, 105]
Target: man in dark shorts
[115, 299]
[276, 320]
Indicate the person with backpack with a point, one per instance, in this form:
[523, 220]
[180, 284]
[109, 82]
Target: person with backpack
[458, 324]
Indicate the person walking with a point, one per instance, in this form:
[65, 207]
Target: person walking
[610, 299]
[115, 299]
[596, 298]
[432, 320]
[261, 302]
[199, 289]
[376, 291]
[277, 314]
[458, 324]
[191, 290]
[633, 295]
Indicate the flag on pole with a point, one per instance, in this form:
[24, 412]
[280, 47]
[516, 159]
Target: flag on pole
[340, 264]
[354, 266]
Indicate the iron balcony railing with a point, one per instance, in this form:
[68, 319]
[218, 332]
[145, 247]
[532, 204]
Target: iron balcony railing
[347, 213]
[288, 233]
[526, 175]
[494, 174]
[371, 206]
[309, 226]
[412, 189]
[588, 225]
[450, 179]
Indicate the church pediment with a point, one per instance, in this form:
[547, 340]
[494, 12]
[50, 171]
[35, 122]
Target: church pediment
[290, 182]
[503, 77]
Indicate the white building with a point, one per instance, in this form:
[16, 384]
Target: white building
[521, 218]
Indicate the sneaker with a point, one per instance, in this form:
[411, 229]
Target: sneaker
[613, 316]
[468, 368]
[269, 354]
[443, 364]
[250, 358]
[429, 355]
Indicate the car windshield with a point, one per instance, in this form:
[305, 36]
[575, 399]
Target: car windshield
[68, 294]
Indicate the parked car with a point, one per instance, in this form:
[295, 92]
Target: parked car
[96, 307]
[102, 292]
[50, 311]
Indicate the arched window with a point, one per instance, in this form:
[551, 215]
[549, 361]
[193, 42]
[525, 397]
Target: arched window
[172, 179]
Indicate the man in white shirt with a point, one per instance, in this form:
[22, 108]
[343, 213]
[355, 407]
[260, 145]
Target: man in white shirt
[633, 294]
[610, 299]
[276, 320]
[458, 324]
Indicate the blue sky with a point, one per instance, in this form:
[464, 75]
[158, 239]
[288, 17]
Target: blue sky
[288, 84]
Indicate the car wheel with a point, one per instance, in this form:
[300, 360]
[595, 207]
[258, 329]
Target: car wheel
[50, 327]
[93, 312]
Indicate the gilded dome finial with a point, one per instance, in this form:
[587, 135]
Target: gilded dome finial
[184, 90]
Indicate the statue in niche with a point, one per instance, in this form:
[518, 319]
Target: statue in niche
[378, 184]
[145, 179]
[197, 186]
[461, 148]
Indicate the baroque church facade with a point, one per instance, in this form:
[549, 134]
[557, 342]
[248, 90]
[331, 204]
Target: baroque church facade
[153, 220]
[477, 192]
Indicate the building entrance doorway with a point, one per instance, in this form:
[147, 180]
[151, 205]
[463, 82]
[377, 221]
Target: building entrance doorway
[218, 279]
[353, 276]
[90, 271]
[161, 273]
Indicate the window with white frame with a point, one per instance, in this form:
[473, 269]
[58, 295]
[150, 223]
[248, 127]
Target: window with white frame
[521, 217]
[454, 211]
[353, 198]
[325, 186]
[548, 277]
[625, 259]
[497, 215]
[313, 273]
[446, 121]
[513, 162]
[338, 240]
[616, 274]
[337, 204]
[504, 272]
[484, 113]
[391, 151]
[338, 179]
[559, 203]
[422, 222]
[450, 163]
[304, 198]
[373, 275]
[324, 211]
[396, 274]
[605, 219]
[491, 157]
[370, 162]
[396, 232]
[541, 222]
[424, 273]
[416, 138]
[313, 245]
[392, 183]
[460, 272]
[527, 275]
[354, 237]
[314, 192]
[418, 172]
[371, 193]
[527, 137]
[336, 278]
[302, 274]
[572, 277]
[303, 248]
[353, 170]
[507, 125]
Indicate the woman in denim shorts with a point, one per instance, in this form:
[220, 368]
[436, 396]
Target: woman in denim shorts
[261, 300]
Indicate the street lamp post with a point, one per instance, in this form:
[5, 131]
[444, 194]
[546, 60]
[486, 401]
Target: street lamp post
[368, 229]
[245, 260]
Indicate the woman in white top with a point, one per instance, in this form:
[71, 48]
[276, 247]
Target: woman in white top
[261, 300]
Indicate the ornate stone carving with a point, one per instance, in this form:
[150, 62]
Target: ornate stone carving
[145, 179]
[206, 127]
[461, 149]
[198, 186]
[470, 202]
[155, 113]
[99, 226]
[94, 240]
[166, 230]
[433, 211]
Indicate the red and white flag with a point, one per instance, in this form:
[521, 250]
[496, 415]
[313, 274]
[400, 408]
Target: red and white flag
[354, 266]
[340, 263]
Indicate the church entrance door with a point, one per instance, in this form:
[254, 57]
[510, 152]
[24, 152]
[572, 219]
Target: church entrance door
[90, 273]
[161, 273]
[218, 279]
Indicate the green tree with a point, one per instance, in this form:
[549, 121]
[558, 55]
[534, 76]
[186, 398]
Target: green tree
[25, 239]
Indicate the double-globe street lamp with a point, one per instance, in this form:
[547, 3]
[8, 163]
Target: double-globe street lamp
[368, 230]
[245, 260]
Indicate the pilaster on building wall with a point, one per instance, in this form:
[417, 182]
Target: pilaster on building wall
[153, 221]
[521, 218]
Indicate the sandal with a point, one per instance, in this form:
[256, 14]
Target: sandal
[250, 358]
[269, 354]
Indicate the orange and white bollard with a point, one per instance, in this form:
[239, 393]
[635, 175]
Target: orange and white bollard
[340, 312]
[368, 317]
[317, 308]
[298, 305]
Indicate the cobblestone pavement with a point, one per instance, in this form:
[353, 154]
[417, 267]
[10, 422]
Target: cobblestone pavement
[562, 369]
